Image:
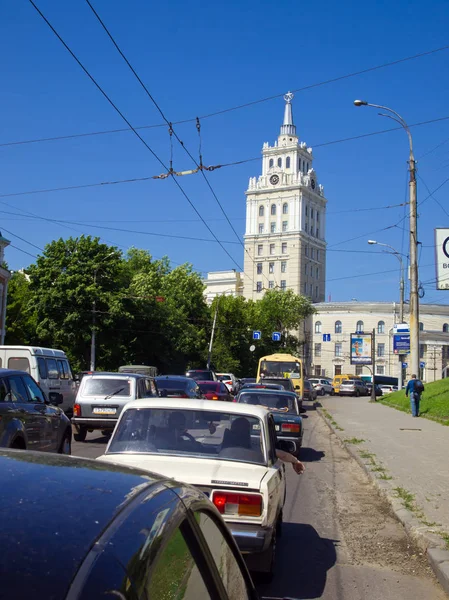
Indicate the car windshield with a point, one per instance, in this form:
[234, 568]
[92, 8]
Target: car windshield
[282, 402]
[97, 386]
[270, 368]
[200, 434]
[171, 384]
[200, 375]
[209, 387]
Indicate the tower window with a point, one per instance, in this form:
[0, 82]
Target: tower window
[272, 247]
[273, 209]
[271, 284]
[381, 327]
[259, 286]
[273, 227]
[285, 209]
[260, 228]
[271, 163]
[359, 327]
[271, 267]
[261, 211]
[338, 327]
[445, 328]
[287, 162]
[284, 266]
[299, 164]
[318, 217]
[307, 167]
[260, 250]
[283, 284]
[284, 225]
[307, 211]
[280, 163]
[284, 247]
[311, 213]
[259, 268]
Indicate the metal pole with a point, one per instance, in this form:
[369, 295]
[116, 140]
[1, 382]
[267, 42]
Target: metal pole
[209, 355]
[373, 359]
[92, 340]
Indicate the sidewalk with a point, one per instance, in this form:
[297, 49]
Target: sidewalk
[414, 452]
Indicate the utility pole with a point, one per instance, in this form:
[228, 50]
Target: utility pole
[373, 360]
[209, 354]
[92, 339]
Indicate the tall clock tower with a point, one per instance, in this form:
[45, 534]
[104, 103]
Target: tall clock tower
[285, 244]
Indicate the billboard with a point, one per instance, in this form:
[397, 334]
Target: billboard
[401, 343]
[361, 349]
[442, 258]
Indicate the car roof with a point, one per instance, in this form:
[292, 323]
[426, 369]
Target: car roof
[191, 404]
[12, 372]
[115, 375]
[267, 391]
[56, 507]
[180, 377]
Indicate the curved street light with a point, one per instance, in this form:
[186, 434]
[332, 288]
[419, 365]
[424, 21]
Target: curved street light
[414, 296]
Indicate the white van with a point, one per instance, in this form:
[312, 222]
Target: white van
[49, 367]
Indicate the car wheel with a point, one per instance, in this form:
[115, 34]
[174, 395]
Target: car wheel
[357, 394]
[18, 444]
[332, 392]
[66, 443]
[322, 392]
[269, 558]
[80, 435]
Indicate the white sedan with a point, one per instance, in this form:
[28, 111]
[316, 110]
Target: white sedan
[226, 450]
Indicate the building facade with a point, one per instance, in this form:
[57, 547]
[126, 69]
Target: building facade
[340, 319]
[223, 283]
[4, 278]
[285, 244]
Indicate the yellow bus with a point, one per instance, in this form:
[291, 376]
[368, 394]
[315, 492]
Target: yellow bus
[283, 365]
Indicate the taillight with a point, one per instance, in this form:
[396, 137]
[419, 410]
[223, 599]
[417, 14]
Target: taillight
[214, 397]
[77, 410]
[291, 427]
[238, 504]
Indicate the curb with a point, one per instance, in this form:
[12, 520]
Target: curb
[430, 543]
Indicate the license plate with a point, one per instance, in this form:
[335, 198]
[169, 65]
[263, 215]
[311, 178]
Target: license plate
[277, 427]
[104, 411]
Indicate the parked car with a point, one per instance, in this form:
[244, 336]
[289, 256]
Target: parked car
[176, 386]
[102, 396]
[229, 380]
[310, 392]
[243, 381]
[49, 367]
[369, 386]
[388, 389]
[141, 369]
[353, 387]
[119, 533]
[201, 375]
[215, 390]
[284, 408]
[322, 386]
[261, 386]
[227, 450]
[29, 420]
[339, 379]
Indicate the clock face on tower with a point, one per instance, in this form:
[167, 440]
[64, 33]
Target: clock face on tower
[312, 183]
[274, 179]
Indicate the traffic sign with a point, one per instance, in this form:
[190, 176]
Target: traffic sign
[401, 328]
[257, 335]
[276, 336]
[422, 365]
[401, 343]
[442, 258]
[404, 365]
[326, 337]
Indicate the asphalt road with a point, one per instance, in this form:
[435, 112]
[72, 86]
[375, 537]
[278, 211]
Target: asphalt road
[339, 539]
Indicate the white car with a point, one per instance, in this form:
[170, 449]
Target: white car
[229, 380]
[226, 450]
[388, 389]
[322, 386]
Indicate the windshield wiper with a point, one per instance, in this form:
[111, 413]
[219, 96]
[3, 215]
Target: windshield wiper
[114, 393]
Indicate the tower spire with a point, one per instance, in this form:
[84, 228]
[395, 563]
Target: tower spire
[288, 128]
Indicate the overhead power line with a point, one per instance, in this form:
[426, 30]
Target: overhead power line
[122, 116]
[233, 108]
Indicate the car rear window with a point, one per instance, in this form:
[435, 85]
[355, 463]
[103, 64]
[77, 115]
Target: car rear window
[209, 387]
[275, 401]
[19, 364]
[172, 384]
[200, 375]
[98, 386]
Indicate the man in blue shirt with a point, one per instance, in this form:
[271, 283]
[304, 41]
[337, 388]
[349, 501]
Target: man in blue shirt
[415, 388]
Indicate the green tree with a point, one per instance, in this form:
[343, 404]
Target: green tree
[20, 317]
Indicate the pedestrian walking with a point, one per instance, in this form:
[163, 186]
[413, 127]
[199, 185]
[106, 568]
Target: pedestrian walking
[415, 388]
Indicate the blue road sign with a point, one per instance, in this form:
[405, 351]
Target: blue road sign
[404, 365]
[276, 336]
[422, 365]
[326, 337]
[257, 335]
[401, 343]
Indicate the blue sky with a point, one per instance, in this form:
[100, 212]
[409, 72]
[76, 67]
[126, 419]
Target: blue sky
[197, 58]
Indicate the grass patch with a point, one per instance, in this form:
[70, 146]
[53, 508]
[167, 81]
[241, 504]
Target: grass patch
[379, 469]
[408, 499]
[354, 440]
[332, 420]
[434, 401]
[445, 537]
[364, 454]
[385, 477]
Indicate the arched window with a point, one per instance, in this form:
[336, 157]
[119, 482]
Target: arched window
[271, 163]
[261, 211]
[381, 327]
[421, 326]
[273, 209]
[280, 162]
[285, 209]
[359, 327]
[338, 328]
[445, 328]
[287, 162]
[318, 327]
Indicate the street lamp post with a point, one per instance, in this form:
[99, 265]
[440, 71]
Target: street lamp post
[414, 298]
[94, 311]
[394, 252]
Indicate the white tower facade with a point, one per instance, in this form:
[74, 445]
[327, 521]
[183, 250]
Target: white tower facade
[285, 244]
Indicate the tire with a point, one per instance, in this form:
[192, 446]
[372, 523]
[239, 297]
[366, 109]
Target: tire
[18, 444]
[332, 392]
[66, 443]
[322, 392]
[357, 394]
[268, 557]
[80, 435]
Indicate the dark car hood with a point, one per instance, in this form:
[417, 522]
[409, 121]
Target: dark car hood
[53, 510]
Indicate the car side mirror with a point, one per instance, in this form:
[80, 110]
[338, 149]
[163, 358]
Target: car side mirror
[55, 398]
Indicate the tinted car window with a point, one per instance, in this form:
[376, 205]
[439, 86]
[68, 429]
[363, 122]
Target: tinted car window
[172, 384]
[210, 387]
[271, 400]
[225, 561]
[19, 364]
[52, 368]
[34, 390]
[105, 387]
[43, 373]
[201, 375]
[18, 389]
[4, 391]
